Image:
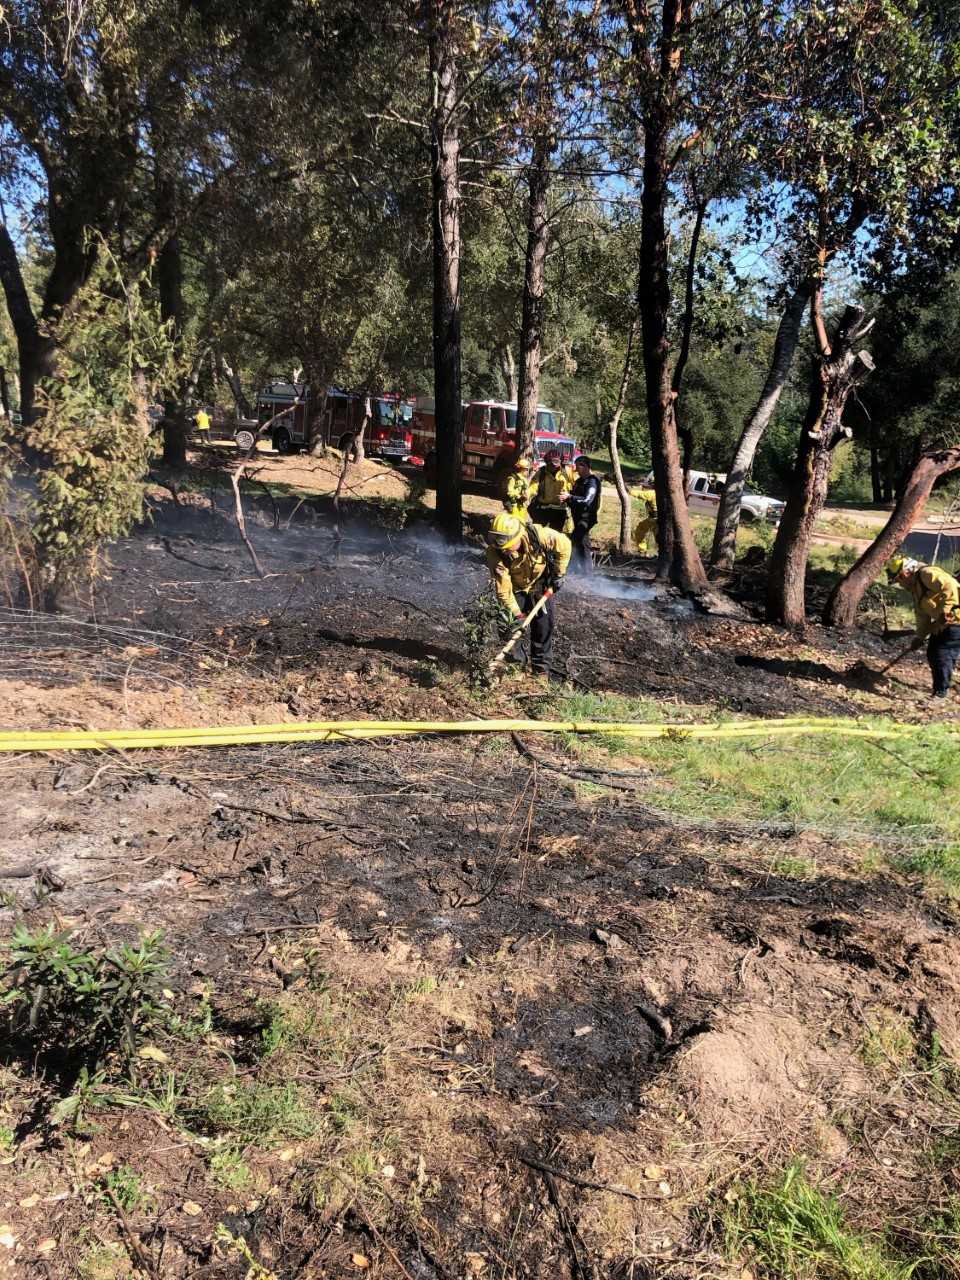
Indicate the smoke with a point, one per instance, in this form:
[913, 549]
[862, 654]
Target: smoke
[609, 588]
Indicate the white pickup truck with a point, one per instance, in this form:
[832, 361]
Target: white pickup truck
[704, 491]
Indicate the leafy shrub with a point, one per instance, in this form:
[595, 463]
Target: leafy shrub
[82, 1005]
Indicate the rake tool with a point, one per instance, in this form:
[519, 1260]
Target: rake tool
[519, 629]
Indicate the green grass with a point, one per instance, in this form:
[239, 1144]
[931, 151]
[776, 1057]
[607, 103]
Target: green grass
[792, 1231]
[910, 789]
[940, 863]
[229, 1170]
[259, 1114]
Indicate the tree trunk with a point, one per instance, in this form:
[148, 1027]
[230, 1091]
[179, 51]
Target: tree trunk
[613, 427]
[4, 395]
[876, 479]
[359, 440]
[838, 372]
[170, 289]
[844, 600]
[508, 372]
[445, 173]
[23, 320]
[679, 556]
[685, 433]
[784, 349]
[244, 407]
[534, 285]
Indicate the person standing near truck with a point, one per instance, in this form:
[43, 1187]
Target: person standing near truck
[936, 606]
[549, 492]
[202, 420]
[583, 502]
[516, 491]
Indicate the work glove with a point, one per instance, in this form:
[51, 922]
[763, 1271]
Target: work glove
[554, 584]
[917, 643]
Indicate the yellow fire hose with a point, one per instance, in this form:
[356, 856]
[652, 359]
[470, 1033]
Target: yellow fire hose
[12, 741]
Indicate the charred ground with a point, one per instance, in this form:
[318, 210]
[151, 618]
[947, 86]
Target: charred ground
[410, 979]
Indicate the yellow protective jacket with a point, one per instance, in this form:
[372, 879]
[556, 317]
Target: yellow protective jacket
[203, 420]
[647, 497]
[541, 550]
[516, 494]
[548, 487]
[936, 600]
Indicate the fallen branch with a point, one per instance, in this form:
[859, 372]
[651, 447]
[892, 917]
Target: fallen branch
[139, 1256]
[241, 523]
[587, 1183]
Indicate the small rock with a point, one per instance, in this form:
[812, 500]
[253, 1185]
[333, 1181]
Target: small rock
[46, 1245]
[7, 1238]
[388, 1171]
[581, 1031]
[191, 1208]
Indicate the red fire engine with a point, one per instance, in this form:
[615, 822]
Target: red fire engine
[291, 407]
[489, 437]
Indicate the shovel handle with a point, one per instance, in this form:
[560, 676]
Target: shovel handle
[520, 628]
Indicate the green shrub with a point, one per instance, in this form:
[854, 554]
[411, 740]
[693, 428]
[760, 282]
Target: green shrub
[82, 1005]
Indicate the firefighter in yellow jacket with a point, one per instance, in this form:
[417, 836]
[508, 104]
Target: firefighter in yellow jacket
[549, 491]
[516, 491]
[526, 561]
[646, 526]
[936, 606]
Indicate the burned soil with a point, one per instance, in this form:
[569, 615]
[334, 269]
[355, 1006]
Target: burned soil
[447, 1007]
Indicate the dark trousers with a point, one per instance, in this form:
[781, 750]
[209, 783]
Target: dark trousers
[582, 549]
[541, 628]
[943, 651]
[551, 517]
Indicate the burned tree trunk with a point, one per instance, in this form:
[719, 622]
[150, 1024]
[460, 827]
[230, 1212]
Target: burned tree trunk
[784, 349]
[445, 176]
[839, 370]
[844, 600]
[534, 288]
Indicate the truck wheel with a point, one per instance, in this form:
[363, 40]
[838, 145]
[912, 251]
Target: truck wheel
[282, 442]
[746, 516]
[245, 440]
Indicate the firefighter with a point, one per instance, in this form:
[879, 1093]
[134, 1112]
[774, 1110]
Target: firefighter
[548, 493]
[936, 604]
[646, 526]
[202, 420]
[525, 561]
[583, 502]
[516, 493]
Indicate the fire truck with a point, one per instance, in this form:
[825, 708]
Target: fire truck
[489, 437]
[291, 407]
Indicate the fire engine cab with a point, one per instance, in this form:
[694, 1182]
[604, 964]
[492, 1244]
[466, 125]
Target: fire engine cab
[290, 407]
[489, 437]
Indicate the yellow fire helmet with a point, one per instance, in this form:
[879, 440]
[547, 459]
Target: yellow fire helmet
[896, 565]
[506, 532]
[522, 464]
